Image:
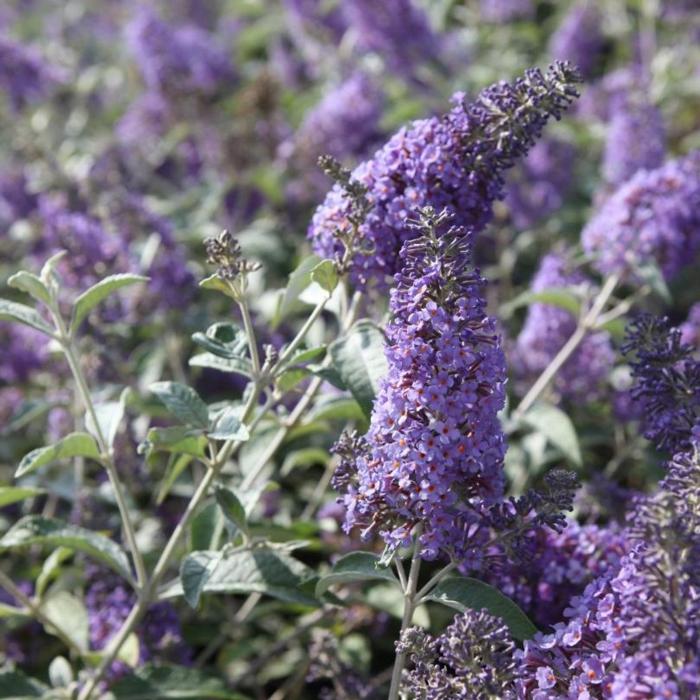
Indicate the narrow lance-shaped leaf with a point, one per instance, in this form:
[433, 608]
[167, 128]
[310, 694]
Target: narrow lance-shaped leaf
[21, 313]
[557, 427]
[14, 494]
[90, 298]
[470, 594]
[31, 284]
[73, 445]
[232, 508]
[356, 566]
[35, 529]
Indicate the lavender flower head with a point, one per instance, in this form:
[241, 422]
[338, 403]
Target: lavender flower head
[473, 659]
[632, 634]
[690, 329]
[536, 188]
[24, 74]
[434, 450]
[178, 61]
[397, 30]
[548, 327]
[344, 124]
[560, 566]
[666, 384]
[654, 217]
[16, 201]
[579, 38]
[635, 140]
[451, 162]
[109, 601]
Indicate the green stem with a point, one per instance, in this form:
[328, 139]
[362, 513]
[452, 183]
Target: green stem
[434, 581]
[252, 340]
[68, 347]
[586, 323]
[409, 607]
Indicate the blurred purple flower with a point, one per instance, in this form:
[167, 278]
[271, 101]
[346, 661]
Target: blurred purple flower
[547, 328]
[506, 10]
[653, 217]
[579, 38]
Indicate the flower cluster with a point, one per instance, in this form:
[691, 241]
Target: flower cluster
[548, 327]
[344, 124]
[536, 188]
[633, 633]
[109, 601]
[178, 61]
[635, 140]
[396, 30]
[690, 328]
[653, 218]
[16, 200]
[455, 161]
[25, 76]
[666, 381]
[434, 450]
[473, 659]
[579, 38]
[559, 566]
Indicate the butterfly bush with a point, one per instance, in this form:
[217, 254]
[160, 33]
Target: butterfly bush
[536, 188]
[560, 566]
[25, 75]
[473, 659]
[636, 140]
[652, 218]
[690, 328]
[666, 381]
[547, 328]
[434, 450]
[454, 161]
[178, 61]
[631, 634]
[579, 38]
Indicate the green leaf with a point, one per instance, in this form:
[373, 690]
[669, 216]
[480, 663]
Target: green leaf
[470, 594]
[224, 340]
[16, 686]
[339, 408]
[109, 416]
[35, 529]
[183, 402]
[305, 457]
[232, 508]
[68, 613]
[11, 311]
[60, 672]
[651, 274]
[32, 285]
[356, 566]
[176, 465]
[171, 683]
[206, 528]
[73, 445]
[228, 426]
[325, 274]
[290, 378]
[557, 427]
[299, 280]
[51, 568]
[562, 298]
[178, 440]
[259, 570]
[215, 283]
[236, 365]
[14, 494]
[359, 359]
[90, 298]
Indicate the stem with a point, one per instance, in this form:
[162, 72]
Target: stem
[409, 607]
[585, 324]
[252, 340]
[107, 458]
[37, 612]
[434, 581]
